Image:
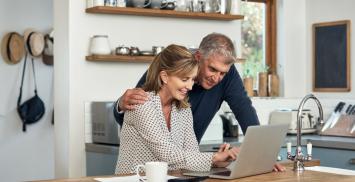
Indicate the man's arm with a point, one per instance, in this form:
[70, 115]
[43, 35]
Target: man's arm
[239, 102]
[118, 111]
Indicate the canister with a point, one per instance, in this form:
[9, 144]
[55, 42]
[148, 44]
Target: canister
[100, 45]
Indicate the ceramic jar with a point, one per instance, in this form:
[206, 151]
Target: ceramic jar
[100, 45]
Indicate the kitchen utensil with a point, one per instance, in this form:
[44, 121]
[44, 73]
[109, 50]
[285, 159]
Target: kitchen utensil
[155, 4]
[141, 3]
[157, 49]
[336, 118]
[182, 5]
[348, 109]
[146, 53]
[122, 50]
[234, 7]
[196, 5]
[98, 3]
[330, 119]
[352, 113]
[112, 3]
[100, 45]
[121, 3]
[211, 6]
[134, 51]
[168, 4]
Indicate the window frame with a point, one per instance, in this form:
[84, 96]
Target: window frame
[270, 33]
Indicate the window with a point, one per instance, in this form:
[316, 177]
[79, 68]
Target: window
[259, 33]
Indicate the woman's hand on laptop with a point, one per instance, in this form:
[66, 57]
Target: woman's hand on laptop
[225, 156]
[279, 168]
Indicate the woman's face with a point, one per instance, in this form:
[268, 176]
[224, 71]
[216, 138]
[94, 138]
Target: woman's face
[178, 86]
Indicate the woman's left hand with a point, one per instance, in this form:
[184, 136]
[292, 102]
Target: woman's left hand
[279, 168]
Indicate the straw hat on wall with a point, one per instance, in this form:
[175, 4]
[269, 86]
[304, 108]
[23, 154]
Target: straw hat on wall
[34, 42]
[12, 47]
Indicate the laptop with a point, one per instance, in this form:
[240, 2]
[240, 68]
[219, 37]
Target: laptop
[258, 153]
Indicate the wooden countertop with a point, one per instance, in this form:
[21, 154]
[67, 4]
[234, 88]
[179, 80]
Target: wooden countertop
[287, 176]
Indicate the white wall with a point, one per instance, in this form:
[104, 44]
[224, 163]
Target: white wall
[291, 43]
[30, 155]
[325, 11]
[86, 81]
[295, 19]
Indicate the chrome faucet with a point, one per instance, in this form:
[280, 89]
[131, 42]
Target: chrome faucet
[298, 158]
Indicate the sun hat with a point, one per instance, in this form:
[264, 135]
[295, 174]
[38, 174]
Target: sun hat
[47, 56]
[12, 47]
[34, 41]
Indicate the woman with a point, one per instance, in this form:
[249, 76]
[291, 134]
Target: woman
[161, 129]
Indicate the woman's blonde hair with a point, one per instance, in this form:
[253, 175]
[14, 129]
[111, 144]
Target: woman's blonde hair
[174, 60]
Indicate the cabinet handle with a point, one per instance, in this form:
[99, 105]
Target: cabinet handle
[352, 161]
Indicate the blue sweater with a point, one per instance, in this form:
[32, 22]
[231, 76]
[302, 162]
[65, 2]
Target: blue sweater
[205, 103]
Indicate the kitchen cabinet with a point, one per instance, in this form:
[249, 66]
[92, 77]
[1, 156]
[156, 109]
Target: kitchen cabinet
[100, 159]
[100, 163]
[335, 157]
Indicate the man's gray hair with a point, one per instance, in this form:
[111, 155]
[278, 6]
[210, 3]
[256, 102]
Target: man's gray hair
[218, 44]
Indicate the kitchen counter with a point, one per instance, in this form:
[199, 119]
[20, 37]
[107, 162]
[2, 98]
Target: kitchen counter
[289, 175]
[317, 141]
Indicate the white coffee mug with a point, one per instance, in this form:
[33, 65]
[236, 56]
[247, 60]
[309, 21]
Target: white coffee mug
[154, 171]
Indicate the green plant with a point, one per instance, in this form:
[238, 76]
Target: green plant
[251, 68]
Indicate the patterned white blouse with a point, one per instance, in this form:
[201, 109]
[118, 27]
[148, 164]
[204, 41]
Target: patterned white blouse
[145, 137]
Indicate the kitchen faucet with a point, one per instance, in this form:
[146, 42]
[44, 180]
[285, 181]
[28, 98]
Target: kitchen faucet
[298, 158]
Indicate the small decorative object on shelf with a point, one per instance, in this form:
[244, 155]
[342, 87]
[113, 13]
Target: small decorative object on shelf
[262, 80]
[273, 85]
[262, 90]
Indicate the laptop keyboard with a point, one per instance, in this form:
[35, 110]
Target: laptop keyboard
[223, 173]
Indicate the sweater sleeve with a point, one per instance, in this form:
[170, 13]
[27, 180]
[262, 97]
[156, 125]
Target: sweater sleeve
[152, 129]
[239, 102]
[119, 116]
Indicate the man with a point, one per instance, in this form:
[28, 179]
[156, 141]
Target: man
[217, 81]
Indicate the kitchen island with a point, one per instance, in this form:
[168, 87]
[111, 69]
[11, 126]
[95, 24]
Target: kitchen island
[289, 175]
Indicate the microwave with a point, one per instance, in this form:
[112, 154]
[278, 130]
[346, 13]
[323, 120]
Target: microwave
[105, 129]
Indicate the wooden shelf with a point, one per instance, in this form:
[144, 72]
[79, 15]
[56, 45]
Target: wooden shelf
[131, 59]
[120, 58]
[162, 13]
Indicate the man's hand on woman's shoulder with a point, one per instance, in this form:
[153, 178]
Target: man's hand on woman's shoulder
[131, 98]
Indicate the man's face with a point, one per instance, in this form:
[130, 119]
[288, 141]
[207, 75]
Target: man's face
[212, 70]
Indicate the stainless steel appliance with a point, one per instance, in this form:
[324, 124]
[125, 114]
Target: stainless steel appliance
[105, 129]
[289, 116]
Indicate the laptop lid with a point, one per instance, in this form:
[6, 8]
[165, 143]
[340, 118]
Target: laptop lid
[258, 151]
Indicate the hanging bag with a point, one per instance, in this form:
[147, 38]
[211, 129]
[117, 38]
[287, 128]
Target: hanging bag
[33, 109]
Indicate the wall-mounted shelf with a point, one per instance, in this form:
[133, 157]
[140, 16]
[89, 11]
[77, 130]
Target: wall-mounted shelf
[120, 58]
[131, 59]
[162, 13]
